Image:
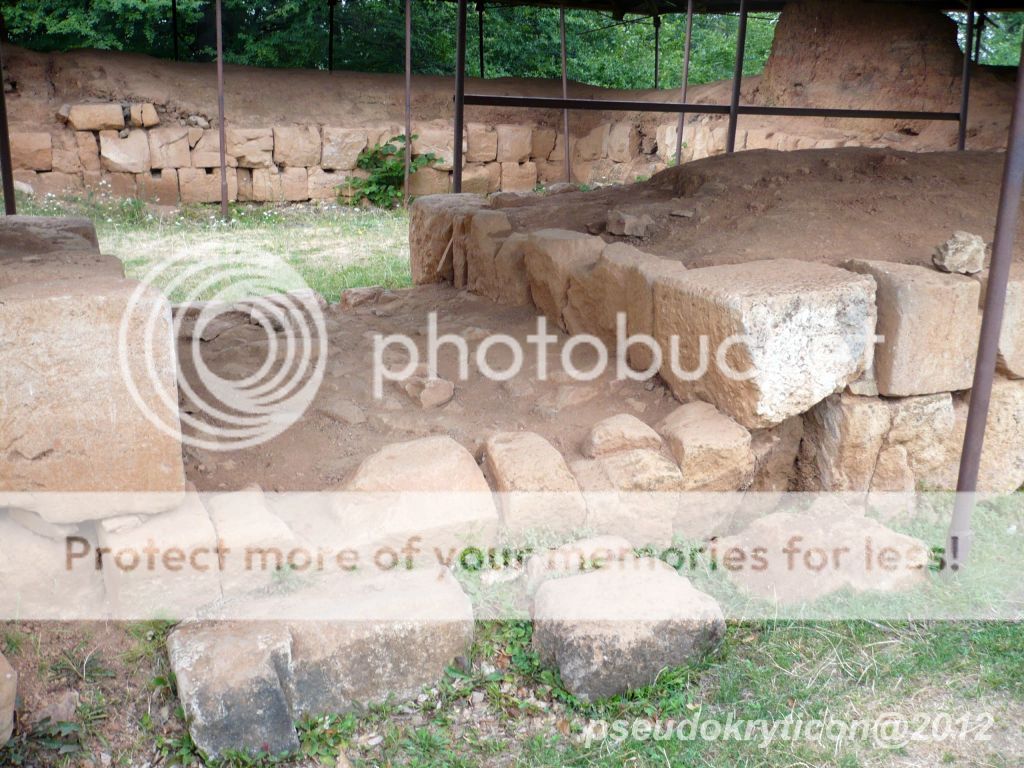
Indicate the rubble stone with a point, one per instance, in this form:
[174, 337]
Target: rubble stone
[629, 225]
[963, 253]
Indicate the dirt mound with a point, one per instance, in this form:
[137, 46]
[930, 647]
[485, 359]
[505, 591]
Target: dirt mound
[816, 205]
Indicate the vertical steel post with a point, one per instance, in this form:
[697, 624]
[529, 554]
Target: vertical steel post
[6, 169]
[686, 78]
[737, 79]
[220, 116]
[330, 34]
[408, 97]
[979, 34]
[480, 33]
[959, 544]
[174, 26]
[565, 95]
[657, 48]
[460, 94]
[965, 81]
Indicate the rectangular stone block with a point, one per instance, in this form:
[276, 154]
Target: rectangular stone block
[486, 230]
[341, 148]
[206, 152]
[57, 183]
[71, 421]
[266, 185]
[623, 142]
[324, 185]
[158, 186]
[430, 181]
[481, 143]
[295, 184]
[518, 177]
[764, 340]
[88, 150]
[96, 117]
[202, 185]
[67, 161]
[430, 234]
[514, 143]
[552, 256]
[25, 235]
[118, 184]
[251, 147]
[169, 148]
[439, 141]
[542, 141]
[32, 151]
[1011, 338]
[296, 146]
[128, 155]
[481, 178]
[930, 323]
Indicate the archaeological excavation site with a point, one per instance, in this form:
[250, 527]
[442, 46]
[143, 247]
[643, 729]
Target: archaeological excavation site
[500, 414]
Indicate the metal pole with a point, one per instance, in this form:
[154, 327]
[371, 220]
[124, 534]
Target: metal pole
[330, 34]
[686, 77]
[460, 94]
[220, 116]
[959, 544]
[965, 81]
[480, 32]
[657, 47]
[737, 78]
[174, 26]
[565, 95]
[5, 146]
[979, 34]
[408, 96]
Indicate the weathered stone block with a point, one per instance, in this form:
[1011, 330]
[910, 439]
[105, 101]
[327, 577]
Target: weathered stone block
[481, 178]
[323, 185]
[930, 324]
[963, 253]
[779, 336]
[33, 151]
[251, 147]
[712, 450]
[266, 185]
[341, 148]
[202, 185]
[57, 183]
[169, 148]
[842, 438]
[430, 233]
[623, 142]
[71, 423]
[622, 432]
[206, 151]
[88, 150]
[429, 181]
[615, 629]
[481, 143]
[295, 184]
[296, 146]
[438, 141]
[1011, 338]
[539, 493]
[518, 177]
[514, 143]
[542, 141]
[29, 235]
[96, 117]
[117, 184]
[486, 230]
[158, 186]
[591, 146]
[8, 696]
[552, 256]
[128, 155]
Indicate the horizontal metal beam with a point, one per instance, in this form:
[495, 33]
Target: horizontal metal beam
[616, 105]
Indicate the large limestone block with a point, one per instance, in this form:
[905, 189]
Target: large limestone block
[622, 432]
[481, 178]
[592, 145]
[481, 143]
[169, 147]
[615, 629]
[552, 257]
[57, 265]
[251, 147]
[518, 177]
[158, 186]
[430, 233]
[70, 421]
[206, 151]
[430, 181]
[623, 142]
[96, 117]
[266, 185]
[511, 285]
[712, 450]
[57, 183]
[429, 464]
[539, 493]
[33, 151]
[295, 184]
[296, 146]
[542, 142]
[780, 335]
[88, 150]
[323, 185]
[930, 324]
[842, 439]
[1011, 338]
[8, 695]
[184, 574]
[514, 143]
[341, 148]
[925, 428]
[202, 185]
[1002, 458]
[486, 231]
[32, 235]
[438, 141]
[127, 155]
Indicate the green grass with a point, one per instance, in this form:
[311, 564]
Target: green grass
[331, 247]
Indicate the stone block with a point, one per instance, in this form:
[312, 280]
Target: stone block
[296, 146]
[623, 142]
[552, 256]
[515, 143]
[66, 160]
[843, 436]
[930, 324]
[712, 450]
[341, 148]
[119, 184]
[518, 177]
[251, 147]
[430, 181]
[158, 186]
[169, 148]
[438, 141]
[615, 629]
[32, 235]
[430, 233]
[88, 150]
[96, 117]
[778, 335]
[538, 492]
[128, 155]
[324, 185]
[481, 178]
[202, 185]
[963, 253]
[622, 432]
[32, 151]
[295, 184]
[57, 183]
[1011, 338]
[486, 231]
[8, 697]
[481, 143]
[542, 141]
[71, 423]
[591, 146]
[206, 151]
[266, 185]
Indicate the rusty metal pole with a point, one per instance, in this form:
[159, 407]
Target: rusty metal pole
[480, 33]
[460, 95]
[965, 81]
[565, 95]
[979, 34]
[10, 208]
[959, 544]
[657, 48]
[737, 79]
[330, 34]
[408, 97]
[686, 78]
[174, 26]
[220, 116]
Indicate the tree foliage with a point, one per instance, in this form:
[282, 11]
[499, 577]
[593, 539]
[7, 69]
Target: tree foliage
[518, 42]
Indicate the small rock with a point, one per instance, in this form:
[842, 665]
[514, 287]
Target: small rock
[684, 213]
[344, 412]
[60, 709]
[619, 433]
[429, 393]
[628, 225]
[561, 187]
[963, 253]
[355, 297]
[198, 121]
[123, 133]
